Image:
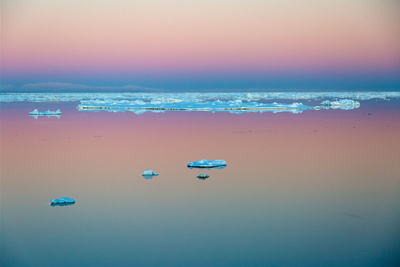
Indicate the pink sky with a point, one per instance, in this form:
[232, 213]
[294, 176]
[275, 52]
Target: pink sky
[46, 38]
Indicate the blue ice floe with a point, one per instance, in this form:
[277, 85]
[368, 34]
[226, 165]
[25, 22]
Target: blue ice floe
[35, 113]
[64, 201]
[148, 174]
[204, 163]
[345, 104]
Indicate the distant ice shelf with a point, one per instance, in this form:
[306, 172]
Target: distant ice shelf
[204, 163]
[195, 97]
[35, 113]
[62, 201]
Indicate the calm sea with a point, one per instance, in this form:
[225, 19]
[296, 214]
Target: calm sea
[318, 188]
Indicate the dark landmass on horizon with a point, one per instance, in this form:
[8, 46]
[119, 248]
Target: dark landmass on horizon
[58, 87]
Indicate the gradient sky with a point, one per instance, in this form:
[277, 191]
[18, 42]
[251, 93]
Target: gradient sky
[202, 44]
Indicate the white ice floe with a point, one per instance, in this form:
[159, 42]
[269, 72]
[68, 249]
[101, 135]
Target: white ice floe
[35, 113]
[345, 104]
[204, 163]
[194, 97]
[148, 174]
[62, 201]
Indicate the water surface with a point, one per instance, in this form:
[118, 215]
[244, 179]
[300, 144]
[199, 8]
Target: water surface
[319, 188]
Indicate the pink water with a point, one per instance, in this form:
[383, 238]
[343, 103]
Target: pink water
[310, 189]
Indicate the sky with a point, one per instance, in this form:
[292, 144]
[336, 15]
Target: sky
[200, 45]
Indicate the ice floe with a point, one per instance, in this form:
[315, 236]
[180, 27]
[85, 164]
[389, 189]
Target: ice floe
[204, 163]
[62, 201]
[35, 113]
[148, 174]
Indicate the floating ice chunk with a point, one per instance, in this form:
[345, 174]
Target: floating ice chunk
[35, 113]
[340, 104]
[148, 174]
[62, 201]
[204, 163]
[203, 176]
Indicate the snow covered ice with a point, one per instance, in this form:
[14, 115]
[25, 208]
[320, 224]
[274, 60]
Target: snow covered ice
[149, 172]
[204, 163]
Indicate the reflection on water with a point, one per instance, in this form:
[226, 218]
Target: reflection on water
[311, 189]
[61, 204]
[206, 167]
[48, 116]
[232, 106]
[203, 176]
[148, 176]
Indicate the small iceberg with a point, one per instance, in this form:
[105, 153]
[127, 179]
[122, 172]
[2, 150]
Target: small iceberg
[64, 201]
[204, 163]
[203, 176]
[35, 113]
[148, 174]
[345, 104]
